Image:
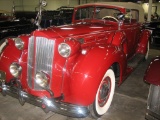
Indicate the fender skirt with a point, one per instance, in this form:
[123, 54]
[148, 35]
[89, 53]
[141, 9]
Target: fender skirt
[152, 73]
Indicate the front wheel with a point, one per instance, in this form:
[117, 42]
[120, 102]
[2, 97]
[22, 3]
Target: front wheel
[104, 95]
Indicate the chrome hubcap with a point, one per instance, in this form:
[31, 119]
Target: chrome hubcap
[104, 92]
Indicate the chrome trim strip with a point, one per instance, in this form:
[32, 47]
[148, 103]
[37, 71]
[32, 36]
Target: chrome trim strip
[40, 58]
[44, 57]
[30, 60]
[63, 72]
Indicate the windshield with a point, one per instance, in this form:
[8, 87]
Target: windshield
[84, 13]
[95, 13]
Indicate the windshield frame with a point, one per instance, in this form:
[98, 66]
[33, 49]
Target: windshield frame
[74, 20]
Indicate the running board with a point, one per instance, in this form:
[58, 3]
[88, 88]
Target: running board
[131, 65]
[135, 60]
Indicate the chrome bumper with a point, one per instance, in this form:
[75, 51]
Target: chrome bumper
[47, 104]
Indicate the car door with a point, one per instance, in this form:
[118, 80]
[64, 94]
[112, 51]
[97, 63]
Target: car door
[132, 29]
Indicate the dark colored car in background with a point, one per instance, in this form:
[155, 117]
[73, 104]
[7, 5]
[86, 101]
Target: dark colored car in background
[154, 27]
[14, 28]
[24, 22]
[10, 26]
[5, 15]
[61, 16]
[152, 76]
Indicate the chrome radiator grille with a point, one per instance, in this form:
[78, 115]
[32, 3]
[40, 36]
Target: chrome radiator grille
[40, 58]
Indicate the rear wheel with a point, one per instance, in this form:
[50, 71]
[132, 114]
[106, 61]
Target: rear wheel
[146, 56]
[104, 95]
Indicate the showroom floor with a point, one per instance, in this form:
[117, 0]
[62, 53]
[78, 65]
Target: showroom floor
[129, 102]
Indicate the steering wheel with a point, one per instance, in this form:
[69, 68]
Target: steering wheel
[110, 17]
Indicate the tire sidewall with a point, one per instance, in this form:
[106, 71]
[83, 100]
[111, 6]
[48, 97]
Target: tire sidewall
[147, 53]
[102, 110]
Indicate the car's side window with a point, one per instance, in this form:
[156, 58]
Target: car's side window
[84, 13]
[102, 12]
[131, 16]
[158, 26]
[135, 15]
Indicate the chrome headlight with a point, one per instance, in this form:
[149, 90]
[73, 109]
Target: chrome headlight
[64, 50]
[19, 43]
[42, 79]
[15, 69]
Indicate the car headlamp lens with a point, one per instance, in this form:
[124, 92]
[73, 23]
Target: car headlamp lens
[64, 50]
[19, 43]
[42, 79]
[15, 69]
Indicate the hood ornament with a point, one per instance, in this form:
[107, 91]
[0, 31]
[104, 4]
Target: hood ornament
[42, 3]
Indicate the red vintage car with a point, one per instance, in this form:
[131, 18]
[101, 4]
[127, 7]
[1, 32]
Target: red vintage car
[72, 69]
[152, 76]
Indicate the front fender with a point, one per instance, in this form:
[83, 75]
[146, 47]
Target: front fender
[9, 55]
[152, 75]
[89, 71]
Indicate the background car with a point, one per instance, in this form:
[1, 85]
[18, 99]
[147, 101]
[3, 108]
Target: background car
[61, 16]
[154, 27]
[6, 16]
[152, 76]
[10, 26]
[14, 28]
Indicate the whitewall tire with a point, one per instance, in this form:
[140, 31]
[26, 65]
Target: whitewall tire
[147, 53]
[104, 95]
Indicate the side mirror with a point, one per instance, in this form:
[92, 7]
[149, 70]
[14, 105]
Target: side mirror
[120, 16]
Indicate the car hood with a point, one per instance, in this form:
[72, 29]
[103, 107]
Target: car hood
[75, 29]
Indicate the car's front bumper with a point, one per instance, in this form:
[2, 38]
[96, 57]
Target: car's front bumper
[47, 104]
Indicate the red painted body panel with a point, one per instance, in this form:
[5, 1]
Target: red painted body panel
[143, 44]
[152, 74]
[86, 76]
[77, 77]
[7, 57]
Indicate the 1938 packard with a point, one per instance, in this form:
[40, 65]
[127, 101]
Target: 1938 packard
[72, 69]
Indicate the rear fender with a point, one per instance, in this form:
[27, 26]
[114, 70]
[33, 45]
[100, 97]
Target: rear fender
[152, 75]
[89, 71]
[143, 43]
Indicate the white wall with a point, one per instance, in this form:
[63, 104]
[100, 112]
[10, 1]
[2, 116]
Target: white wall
[145, 6]
[6, 5]
[29, 5]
